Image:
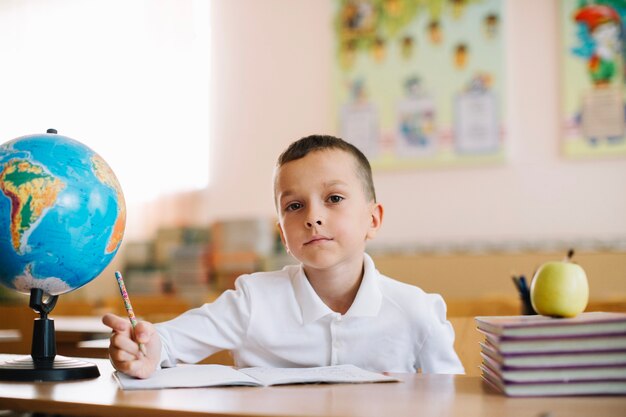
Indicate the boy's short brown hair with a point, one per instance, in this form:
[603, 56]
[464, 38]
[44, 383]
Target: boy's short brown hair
[302, 147]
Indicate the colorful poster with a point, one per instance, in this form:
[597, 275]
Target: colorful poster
[420, 83]
[594, 77]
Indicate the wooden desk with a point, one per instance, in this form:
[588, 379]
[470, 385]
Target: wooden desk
[467, 343]
[96, 348]
[80, 325]
[424, 395]
[10, 335]
[99, 348]
[71, 331]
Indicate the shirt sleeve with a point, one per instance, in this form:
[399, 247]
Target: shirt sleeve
[205, 330]
[437, 355]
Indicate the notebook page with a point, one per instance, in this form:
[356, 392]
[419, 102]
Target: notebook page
[187, 376]
[326, 374]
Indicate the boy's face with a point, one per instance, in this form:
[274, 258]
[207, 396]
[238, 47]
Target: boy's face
[324, 216]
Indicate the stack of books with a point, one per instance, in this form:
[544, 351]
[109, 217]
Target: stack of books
[545, 356]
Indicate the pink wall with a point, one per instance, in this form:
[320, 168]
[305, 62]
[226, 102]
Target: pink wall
[271, 64]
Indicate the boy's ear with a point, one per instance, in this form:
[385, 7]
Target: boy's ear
[282, 236]
[377, 212]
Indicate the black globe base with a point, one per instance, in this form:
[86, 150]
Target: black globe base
[60, 368]
[44, 364]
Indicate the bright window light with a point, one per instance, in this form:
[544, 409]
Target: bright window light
[130, 79]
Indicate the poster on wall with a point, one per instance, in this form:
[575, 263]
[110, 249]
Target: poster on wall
[593, 77]
[420, 83]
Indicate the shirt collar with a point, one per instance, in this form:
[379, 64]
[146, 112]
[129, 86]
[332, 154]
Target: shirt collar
[366, 303]
[368, 298]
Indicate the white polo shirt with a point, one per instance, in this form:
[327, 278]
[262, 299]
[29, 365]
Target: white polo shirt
[276, 319]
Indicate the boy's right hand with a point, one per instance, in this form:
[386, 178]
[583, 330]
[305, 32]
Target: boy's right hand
[124, 350]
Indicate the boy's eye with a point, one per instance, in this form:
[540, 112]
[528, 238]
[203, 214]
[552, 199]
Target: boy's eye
[293, 206]
[335, 198]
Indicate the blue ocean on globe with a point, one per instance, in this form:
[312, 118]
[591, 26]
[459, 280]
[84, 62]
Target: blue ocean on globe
[62, 214]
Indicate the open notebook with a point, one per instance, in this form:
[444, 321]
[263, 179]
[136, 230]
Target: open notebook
[195, 376]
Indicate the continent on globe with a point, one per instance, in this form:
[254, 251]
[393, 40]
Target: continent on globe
[31, 191]
[51, 285]
[106, 175]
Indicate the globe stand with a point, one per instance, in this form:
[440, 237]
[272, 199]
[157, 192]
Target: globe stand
[43, 364]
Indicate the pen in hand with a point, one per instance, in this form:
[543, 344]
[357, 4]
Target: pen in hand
[128, 306]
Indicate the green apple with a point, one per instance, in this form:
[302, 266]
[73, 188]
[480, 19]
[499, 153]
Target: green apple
[559, 289]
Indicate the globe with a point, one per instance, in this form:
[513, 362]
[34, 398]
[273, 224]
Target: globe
[62, 214]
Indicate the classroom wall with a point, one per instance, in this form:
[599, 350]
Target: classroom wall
[271, 85]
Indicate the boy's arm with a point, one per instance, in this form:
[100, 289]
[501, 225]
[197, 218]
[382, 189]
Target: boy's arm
[205, 330]
[437, 355]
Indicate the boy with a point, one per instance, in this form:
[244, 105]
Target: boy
[334, 308]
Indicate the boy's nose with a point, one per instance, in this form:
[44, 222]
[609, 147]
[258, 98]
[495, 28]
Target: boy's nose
[310, 223]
